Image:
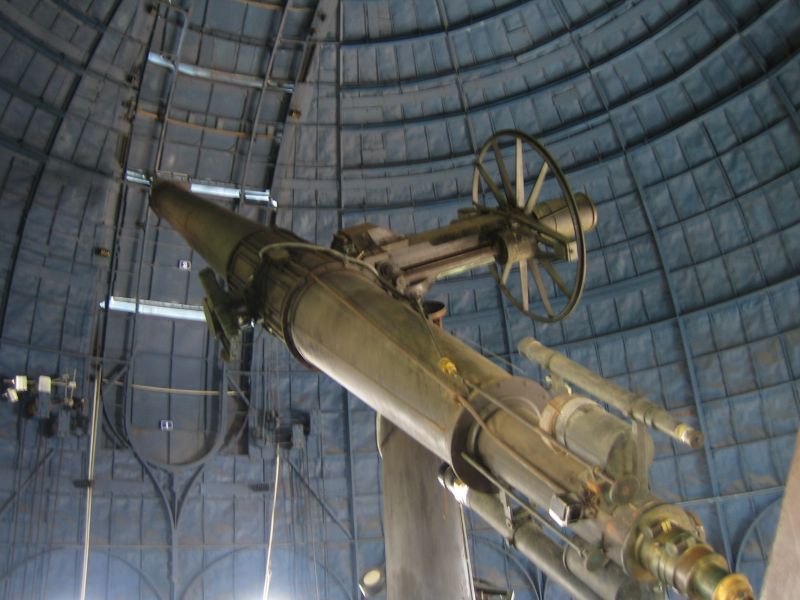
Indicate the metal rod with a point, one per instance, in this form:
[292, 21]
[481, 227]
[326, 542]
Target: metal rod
[87, 519]
[634, 405]
[524, 535]
[173, 80]
[268, 570]
[267, 74]
[521, 502]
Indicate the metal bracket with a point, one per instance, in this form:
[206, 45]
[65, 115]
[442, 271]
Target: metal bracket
[557, 385]
[223, 312]
[507, 514]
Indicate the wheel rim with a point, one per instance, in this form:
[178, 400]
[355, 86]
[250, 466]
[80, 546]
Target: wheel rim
[517, 200]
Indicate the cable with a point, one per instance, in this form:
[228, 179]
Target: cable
[171, 390]
[547, 439]
[488, 352]
[429, 326]
[524, 505]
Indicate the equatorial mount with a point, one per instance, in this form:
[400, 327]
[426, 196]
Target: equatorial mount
[532, 224]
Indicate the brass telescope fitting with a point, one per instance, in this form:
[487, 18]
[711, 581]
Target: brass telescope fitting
[683, 560]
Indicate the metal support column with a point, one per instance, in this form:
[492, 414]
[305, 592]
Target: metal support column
[782, 573]
[426, 547]
[268, 566]
[87, 519]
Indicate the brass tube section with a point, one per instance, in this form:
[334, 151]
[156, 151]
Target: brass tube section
[691, 566]
[634, 405]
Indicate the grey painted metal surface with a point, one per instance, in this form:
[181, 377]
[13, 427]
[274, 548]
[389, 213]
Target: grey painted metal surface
[426, 545]
[686, 108]
[782, 576]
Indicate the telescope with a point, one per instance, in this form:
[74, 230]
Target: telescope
[555, 473]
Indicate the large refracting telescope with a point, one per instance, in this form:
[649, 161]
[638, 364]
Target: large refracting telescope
[560, 477]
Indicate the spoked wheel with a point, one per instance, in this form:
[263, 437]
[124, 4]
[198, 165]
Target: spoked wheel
[544, 243]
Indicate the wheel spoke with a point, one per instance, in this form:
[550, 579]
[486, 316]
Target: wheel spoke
[476, 188]
[501, 199]
[520, 175]
[537, 189]
[551, 270]
[523, 284]
[506, 272]
[537, 278]
[501, 166]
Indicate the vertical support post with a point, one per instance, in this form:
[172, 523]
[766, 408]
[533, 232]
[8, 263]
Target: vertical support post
[87, 519]
[259, 103]
[352, 491]
[268, 570]
[426, 546]
[340, 225]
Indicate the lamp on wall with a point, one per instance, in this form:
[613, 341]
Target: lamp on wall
[373, 581]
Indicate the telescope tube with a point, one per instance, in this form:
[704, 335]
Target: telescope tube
[336, 315]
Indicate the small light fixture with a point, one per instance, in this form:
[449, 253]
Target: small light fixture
[183, 312]
[373, 581]
[44, 385]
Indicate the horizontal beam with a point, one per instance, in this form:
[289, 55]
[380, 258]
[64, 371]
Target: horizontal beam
[218, 76]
